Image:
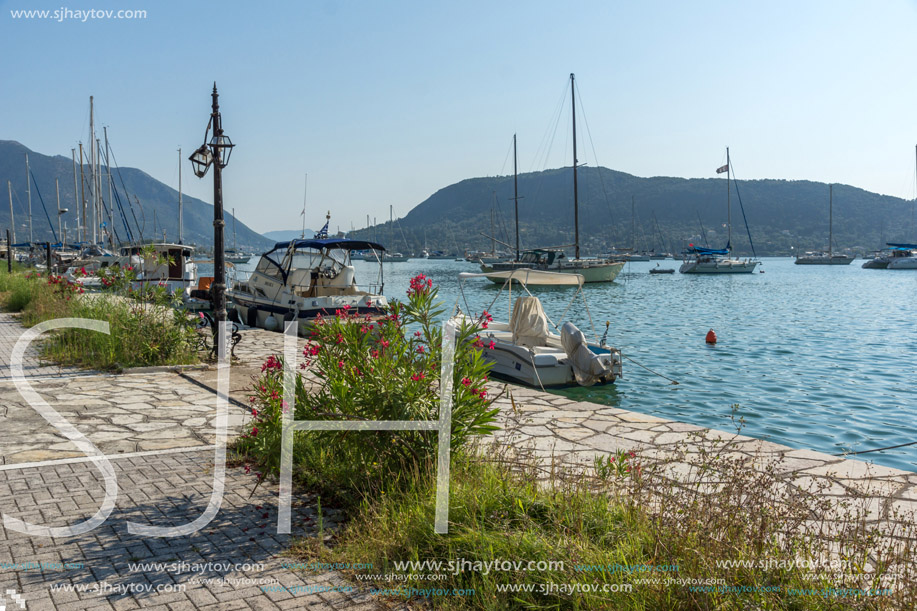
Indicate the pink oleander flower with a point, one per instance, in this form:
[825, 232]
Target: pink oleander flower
[466, 381]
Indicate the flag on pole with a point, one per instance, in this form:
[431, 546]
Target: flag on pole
[722, 169]
[322, 233]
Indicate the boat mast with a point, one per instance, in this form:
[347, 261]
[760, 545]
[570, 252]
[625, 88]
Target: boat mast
[305, 193]
[234, 230]
[9, 188]
[493, 240]
[60, 232]
[82, 197]
[181, 208]
[830, 218]
[100, 203]
[111, 204]
[92, 168]
[391, 223]
[728, 204]
[633, 225]
[28, 186]
[575, 192]
[76, 203]
[516, 195]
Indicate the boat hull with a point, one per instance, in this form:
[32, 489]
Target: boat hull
[517, 364]
[903, 263]
[824, 261]
[729, 266]
[260, 315]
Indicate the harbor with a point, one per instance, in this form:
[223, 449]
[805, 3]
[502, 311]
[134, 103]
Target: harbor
[461, 307]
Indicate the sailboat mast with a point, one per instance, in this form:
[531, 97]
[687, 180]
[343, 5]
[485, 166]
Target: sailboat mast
[305, 194]
[575, 192]
[516, 195]
[493, 240]
[9, 189]
[181, 209]
[100, 203]
[728, 203]
[76, 203]
[391, 222]
[234, 229]
[111, 203]
[28, 186]
[830, 218]
[82, 197]
[633, 225]
[60, 231]
[92, 168]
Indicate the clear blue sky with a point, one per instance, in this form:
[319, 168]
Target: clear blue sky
[385, 102]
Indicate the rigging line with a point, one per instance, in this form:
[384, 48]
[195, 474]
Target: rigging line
[900, 445]
[505, 161]
[127, 194]
[742, 208]
[634, 361]
[598, 169]
[43, 207]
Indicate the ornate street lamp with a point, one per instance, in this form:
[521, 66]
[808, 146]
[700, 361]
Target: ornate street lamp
[215, 153]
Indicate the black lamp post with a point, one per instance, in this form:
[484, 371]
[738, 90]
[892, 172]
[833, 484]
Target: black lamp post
[216, 152]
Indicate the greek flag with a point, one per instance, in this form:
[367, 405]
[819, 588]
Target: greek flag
[322, 233]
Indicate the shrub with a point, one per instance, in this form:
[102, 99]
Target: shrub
[383, 368]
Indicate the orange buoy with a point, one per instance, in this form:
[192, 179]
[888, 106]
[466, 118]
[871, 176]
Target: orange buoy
[711, 337]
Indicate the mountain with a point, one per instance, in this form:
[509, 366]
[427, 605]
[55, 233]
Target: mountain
[782, 215]
[287, 234]
[146, 203]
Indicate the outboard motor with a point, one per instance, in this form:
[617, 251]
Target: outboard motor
[588, 367]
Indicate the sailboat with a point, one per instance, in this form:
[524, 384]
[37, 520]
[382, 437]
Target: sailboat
[828, 258]
[716, 260]
[554, 260]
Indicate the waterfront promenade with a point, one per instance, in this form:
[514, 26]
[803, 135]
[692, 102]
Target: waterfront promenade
[157, 429]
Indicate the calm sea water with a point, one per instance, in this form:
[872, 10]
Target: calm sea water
[817, 357]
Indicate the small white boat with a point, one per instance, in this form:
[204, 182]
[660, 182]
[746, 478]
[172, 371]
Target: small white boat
[903, 256]
[526, 350]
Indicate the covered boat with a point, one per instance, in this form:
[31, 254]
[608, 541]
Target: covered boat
[532, 349]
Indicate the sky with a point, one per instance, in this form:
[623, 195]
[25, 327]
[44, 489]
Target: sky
[385, 102]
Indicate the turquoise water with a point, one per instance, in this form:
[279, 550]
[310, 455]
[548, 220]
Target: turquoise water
[817, 357]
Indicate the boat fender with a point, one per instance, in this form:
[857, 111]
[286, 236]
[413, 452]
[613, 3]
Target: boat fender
[271, 323]
[711, 337]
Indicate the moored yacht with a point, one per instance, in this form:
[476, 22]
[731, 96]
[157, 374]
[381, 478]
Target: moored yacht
[302, 279]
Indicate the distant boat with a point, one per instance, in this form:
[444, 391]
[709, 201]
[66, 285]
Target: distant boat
[902, 256]
[828, 258]
[662, 270]
[716, 261]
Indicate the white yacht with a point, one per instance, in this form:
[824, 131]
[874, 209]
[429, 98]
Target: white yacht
[826, 258]
[555, 260]
[300, 279]
[902, 256]
[178, 274]
[526, 350]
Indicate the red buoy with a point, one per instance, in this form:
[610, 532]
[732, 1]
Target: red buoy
[711, 337]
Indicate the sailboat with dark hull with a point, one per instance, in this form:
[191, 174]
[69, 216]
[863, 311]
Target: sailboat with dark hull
[826, 258]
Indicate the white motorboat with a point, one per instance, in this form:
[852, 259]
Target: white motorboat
[172, 266]
[526, 350]
[302, 279]
[902, 256]
[699, 260]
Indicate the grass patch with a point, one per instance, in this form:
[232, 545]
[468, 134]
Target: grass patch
[142, 332]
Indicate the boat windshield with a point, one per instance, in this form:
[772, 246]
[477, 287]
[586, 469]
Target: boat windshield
[308, 258]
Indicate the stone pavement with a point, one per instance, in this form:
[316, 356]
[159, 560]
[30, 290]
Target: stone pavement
[157, 427]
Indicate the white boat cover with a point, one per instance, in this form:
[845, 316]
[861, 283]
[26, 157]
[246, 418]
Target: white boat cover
[534, 277]
[528, 322]
[587, 366]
